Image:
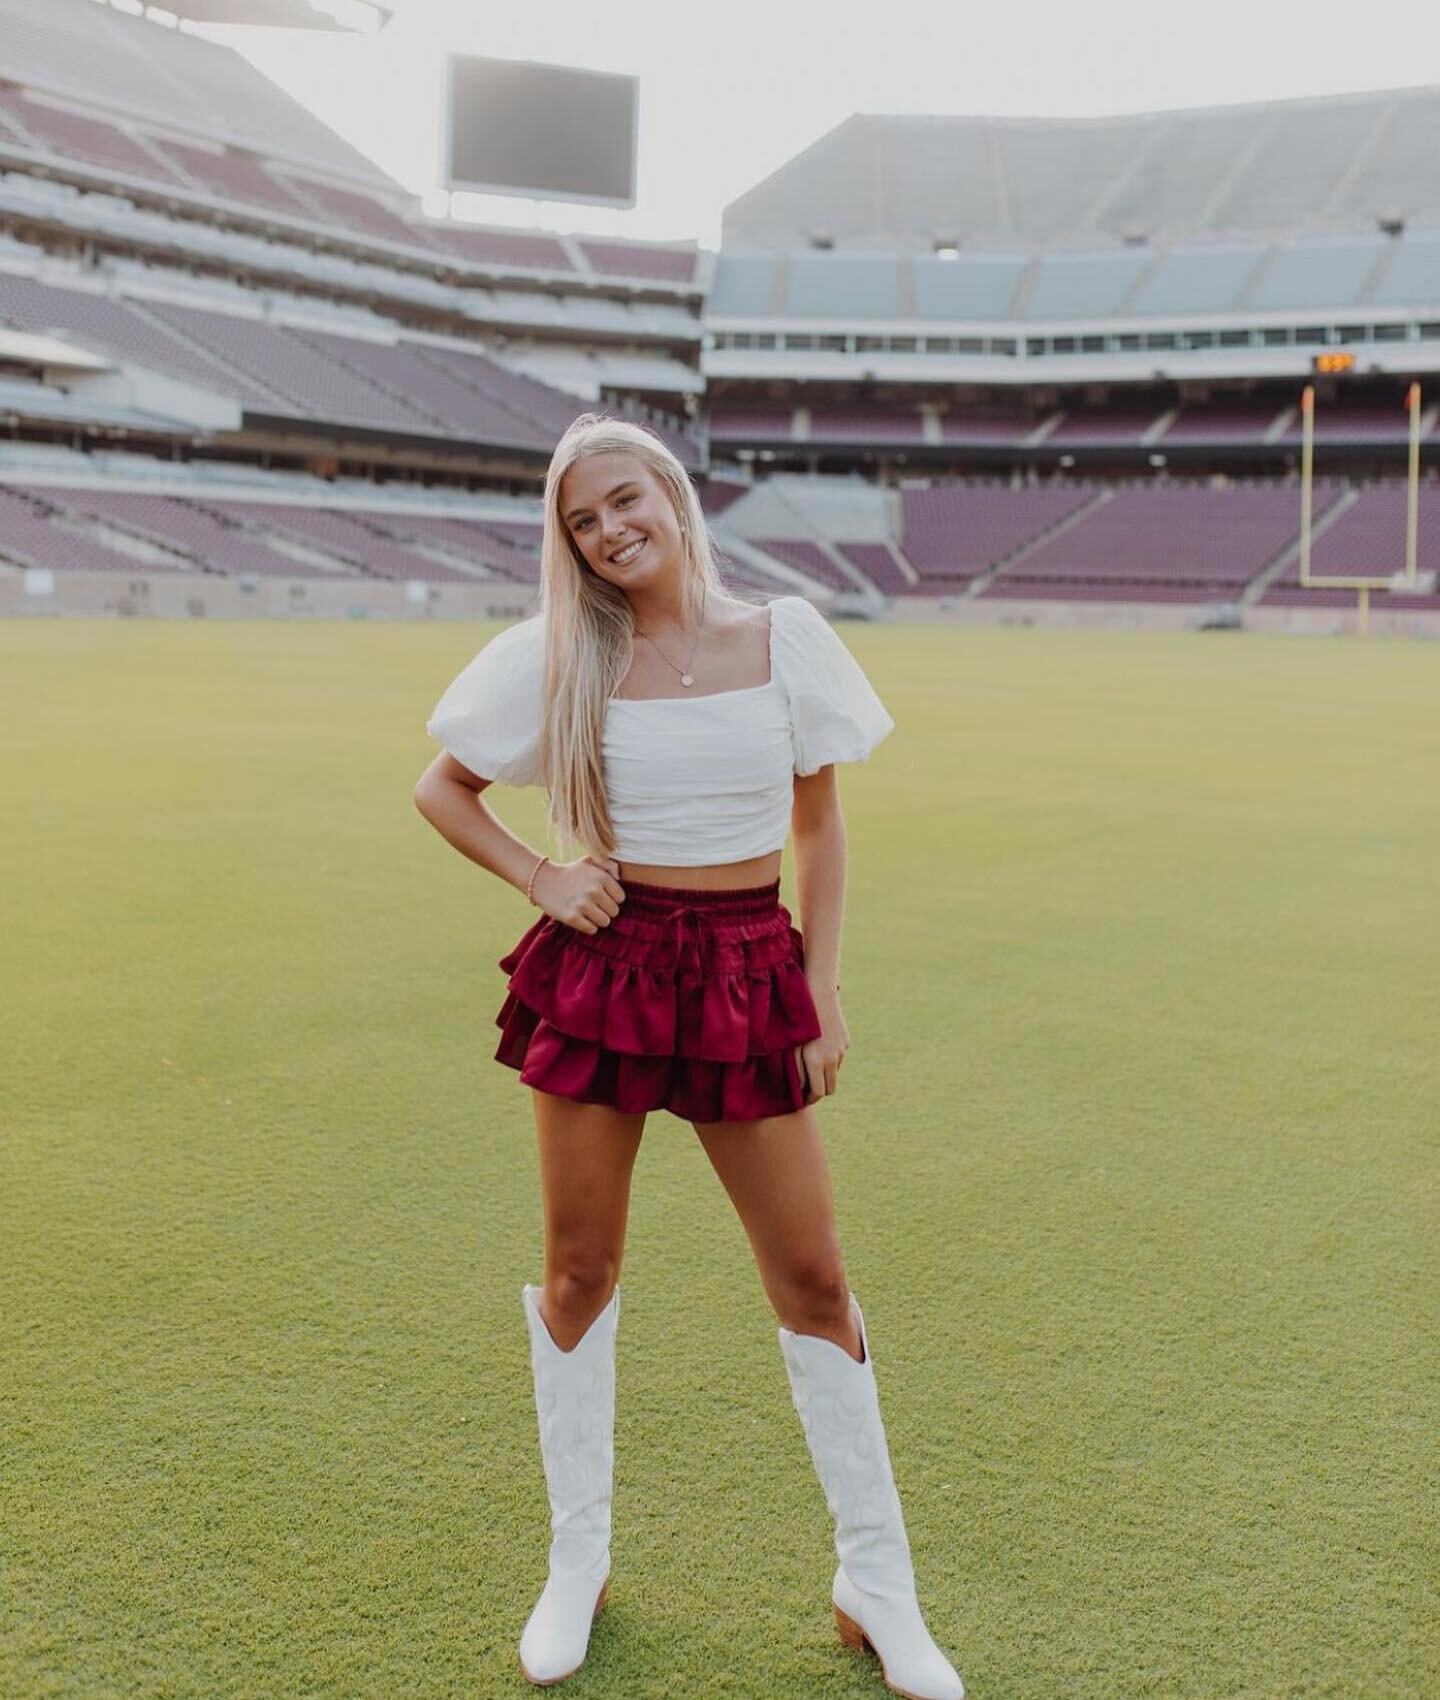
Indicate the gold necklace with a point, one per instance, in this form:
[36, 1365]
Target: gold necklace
[686, 677]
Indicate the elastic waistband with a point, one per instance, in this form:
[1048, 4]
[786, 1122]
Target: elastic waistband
[642, 897]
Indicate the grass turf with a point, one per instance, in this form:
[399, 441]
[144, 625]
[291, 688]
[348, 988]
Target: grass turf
[1134, 1157]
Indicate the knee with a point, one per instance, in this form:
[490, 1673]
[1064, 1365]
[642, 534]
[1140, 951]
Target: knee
[816, 1297]
[580, 1281]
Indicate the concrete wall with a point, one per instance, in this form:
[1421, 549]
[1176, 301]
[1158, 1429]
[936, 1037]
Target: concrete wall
[185, 596]
[194, 596]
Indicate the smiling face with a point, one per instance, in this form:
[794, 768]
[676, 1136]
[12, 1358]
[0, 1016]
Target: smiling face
[621, 519]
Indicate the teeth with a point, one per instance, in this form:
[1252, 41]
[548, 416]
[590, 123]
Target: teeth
[627, 553]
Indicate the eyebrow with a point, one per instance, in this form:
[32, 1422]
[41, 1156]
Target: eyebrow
[608, 494]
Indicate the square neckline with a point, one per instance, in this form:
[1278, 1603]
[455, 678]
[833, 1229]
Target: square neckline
[706, 696]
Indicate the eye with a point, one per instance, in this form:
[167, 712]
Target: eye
[627, 498]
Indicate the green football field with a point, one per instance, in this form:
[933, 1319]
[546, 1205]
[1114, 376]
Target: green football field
[1135, 1159]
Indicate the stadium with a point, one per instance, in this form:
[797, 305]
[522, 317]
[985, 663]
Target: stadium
[940, 368]
[1107, 447]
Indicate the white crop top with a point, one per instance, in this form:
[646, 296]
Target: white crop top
[690, 780]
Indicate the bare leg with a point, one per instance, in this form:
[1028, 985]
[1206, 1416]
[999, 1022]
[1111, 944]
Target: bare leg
[587, 1152]
[587, 1155]
[776, 1173]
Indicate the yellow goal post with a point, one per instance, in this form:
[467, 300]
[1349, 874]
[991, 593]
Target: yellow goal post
[1408, 578]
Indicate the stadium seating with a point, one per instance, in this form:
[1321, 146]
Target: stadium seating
[968, 287]
[1236, 423]
[811, 559]
[1166, 544]
[305, 380]
[67, 527]
[877, 562]
[1200, 174]
[233, 242]
[232, 175]
[38, 531]
[1076, 428]
[1084, 286]
[975, 425]
[195, 121]
[1111, 426]
[743, 423]
[1344, 422]
[1182, 276]
[1196, 279]
[1317, 273]
[859, 425]
[370, 546]
[675, 265]
[717, 494]
[83, 55]
[284, 369]
[955, 532]
[1152, 543]
[203, 532]
[855, 286]
[512, 550]
[59, 130]
[1367, 540]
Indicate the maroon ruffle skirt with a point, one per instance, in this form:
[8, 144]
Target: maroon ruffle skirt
[689, 1001]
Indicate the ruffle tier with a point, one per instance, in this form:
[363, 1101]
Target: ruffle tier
[622, 1017]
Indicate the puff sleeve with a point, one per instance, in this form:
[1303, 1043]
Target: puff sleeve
[489, 716]
[834, 712]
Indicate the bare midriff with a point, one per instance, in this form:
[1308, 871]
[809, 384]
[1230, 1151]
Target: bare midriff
[725, 876]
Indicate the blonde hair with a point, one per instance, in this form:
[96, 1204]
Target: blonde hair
[590, 627]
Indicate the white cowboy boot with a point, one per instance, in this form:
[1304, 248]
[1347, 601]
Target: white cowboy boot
[575, 1403]
[874, 1586]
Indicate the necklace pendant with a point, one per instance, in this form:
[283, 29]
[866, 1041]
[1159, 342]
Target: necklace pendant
[685, 679]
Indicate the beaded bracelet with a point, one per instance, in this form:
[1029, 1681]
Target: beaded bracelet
[530, 883]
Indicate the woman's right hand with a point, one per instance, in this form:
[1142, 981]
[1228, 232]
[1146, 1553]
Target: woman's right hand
[585, 894]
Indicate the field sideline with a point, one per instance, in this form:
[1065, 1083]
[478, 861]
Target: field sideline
[1135, 1156]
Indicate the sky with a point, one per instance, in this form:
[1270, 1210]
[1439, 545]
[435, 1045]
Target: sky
[728, 94]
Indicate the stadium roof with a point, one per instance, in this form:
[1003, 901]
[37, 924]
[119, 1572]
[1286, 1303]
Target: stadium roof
[1331, 164]
[171, 77]
[277, 14]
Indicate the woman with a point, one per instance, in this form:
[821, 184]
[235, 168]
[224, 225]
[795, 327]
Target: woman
[682, 735]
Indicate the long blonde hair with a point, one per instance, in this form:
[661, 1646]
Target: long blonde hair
[590, 627]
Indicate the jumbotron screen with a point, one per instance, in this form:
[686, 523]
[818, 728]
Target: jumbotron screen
[550, 132]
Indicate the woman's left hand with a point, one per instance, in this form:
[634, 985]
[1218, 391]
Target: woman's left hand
[819, 1059]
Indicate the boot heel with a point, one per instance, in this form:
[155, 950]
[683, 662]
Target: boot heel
[850, 1632]
[600, 1598]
